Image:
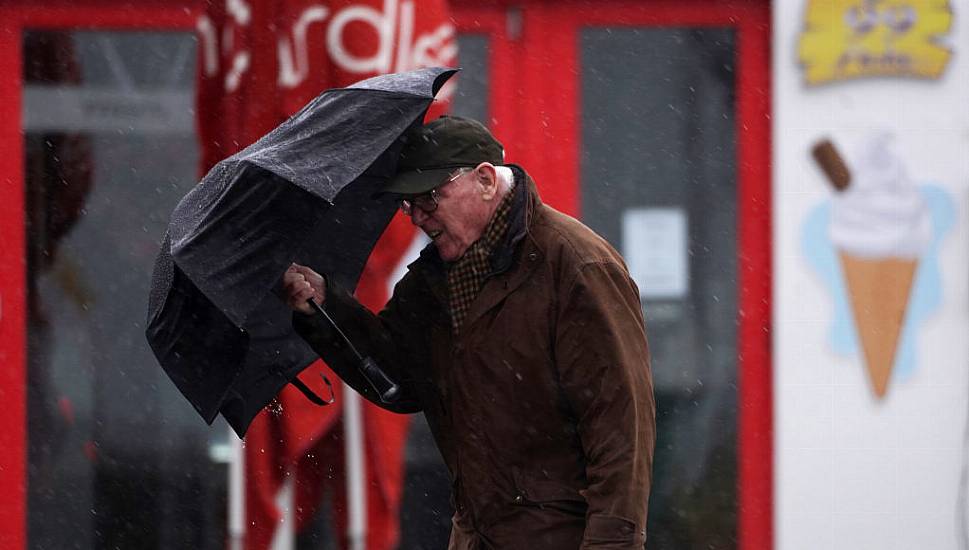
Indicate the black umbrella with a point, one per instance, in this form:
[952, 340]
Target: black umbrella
[299, 194]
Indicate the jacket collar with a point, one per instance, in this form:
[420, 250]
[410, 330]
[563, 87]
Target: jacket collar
[525, 199]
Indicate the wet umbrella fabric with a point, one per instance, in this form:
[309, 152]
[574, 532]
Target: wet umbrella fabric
[299, 194]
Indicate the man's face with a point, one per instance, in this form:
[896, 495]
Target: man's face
[462, 213]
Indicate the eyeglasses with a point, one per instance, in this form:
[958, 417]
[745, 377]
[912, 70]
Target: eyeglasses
[428, 201]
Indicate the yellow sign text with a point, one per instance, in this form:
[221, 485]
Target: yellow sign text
[846, 39]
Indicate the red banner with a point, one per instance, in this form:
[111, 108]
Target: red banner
[259, 62]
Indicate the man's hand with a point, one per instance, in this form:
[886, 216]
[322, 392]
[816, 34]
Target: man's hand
[301, 283]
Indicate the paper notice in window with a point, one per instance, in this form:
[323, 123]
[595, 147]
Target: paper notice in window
[655, 247]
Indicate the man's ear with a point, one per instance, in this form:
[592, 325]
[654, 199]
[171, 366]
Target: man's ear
[487, 177]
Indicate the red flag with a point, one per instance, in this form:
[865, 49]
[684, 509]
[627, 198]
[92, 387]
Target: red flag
[260, 61]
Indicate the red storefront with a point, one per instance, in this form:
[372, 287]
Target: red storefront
[621, 111]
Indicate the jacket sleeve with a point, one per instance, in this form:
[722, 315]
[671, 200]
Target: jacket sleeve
[387, 338]
[603, 362]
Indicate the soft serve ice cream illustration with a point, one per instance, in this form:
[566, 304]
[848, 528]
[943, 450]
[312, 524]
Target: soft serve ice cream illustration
[880, 227]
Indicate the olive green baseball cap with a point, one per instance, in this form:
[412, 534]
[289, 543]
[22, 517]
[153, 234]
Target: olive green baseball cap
[435, 150]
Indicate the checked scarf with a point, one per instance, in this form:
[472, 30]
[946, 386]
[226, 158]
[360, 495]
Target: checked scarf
[466, 276]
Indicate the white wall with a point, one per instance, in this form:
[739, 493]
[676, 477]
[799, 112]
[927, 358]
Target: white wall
[853, 471]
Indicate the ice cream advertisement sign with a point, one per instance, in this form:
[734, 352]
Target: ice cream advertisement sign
[845, 39]
[875, 245]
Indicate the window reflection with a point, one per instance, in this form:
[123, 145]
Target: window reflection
[116, 458]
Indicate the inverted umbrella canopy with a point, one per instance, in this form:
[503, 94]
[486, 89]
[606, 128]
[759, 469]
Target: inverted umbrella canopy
[299, 194]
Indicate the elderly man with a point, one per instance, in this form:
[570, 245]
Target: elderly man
[520, 335]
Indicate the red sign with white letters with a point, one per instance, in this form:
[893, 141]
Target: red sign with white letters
[259, 62]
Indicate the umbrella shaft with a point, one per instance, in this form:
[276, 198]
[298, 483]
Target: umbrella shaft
[319, 309]
[386, 389]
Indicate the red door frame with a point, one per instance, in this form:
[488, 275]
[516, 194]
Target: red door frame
[535, 104]
[14, 19]
[530, 111]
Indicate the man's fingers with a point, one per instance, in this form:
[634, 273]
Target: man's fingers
[306, 290]
[297, 299]
[292, 280]
[305, 271]
[302, 283]
[298, 289]
[303, 294]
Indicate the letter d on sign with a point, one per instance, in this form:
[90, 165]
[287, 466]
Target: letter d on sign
[384, 25]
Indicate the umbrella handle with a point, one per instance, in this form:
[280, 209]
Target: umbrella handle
[384, 386]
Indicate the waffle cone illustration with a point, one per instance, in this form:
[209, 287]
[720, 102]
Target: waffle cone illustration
[879, 290]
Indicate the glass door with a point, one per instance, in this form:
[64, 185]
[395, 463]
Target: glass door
[658, 180]
[116, 458]
[98, 145]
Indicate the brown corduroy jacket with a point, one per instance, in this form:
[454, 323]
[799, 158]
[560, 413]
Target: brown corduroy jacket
[543, 406]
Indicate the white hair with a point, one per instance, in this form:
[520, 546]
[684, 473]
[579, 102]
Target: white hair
[505, 177]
